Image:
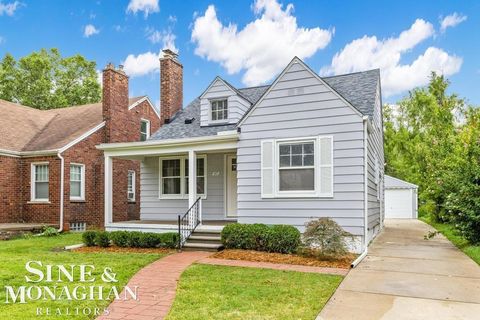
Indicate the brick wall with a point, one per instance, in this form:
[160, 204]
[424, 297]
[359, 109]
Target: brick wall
[121, 125]
[41, 212]
[10, 204]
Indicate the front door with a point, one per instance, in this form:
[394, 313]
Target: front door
[231, 186]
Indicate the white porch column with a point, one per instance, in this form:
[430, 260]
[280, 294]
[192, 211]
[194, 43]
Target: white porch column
[108, 189]
[192, 177]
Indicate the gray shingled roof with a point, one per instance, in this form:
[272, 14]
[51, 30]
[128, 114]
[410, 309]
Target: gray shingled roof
[178, 129]
[357, 88]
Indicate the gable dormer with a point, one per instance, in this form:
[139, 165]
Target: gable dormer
[221, 104]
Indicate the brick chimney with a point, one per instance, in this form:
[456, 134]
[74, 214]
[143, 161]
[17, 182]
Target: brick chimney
[115, 103]
[171, 85]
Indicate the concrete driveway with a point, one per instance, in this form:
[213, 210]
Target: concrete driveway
[407, 277]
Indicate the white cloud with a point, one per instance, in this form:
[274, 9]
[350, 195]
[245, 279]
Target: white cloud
[90, 30]
[451, 21]
[263, 47]
[147, 6]
[9, 8]
[142, 64]
[148, 62]
[369, 52]
[165, 36]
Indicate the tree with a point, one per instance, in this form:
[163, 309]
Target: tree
[46, 80]
[421, 137]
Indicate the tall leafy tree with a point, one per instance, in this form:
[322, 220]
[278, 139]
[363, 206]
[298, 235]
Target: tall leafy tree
[46, 80]
[421, 133]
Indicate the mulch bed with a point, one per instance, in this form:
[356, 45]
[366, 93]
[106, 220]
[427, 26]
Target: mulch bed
[123, 250]
[250, 255]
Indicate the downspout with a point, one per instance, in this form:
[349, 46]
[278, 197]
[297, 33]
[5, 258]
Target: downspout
[62, 172]
[365, 209]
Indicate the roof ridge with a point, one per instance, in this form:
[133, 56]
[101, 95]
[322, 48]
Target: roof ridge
[263, 85]
[351, 73]
[39, 132]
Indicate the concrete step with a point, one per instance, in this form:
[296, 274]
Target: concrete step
[205, 238]
[193, 246]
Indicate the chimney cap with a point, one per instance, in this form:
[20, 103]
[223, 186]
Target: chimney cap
[168, 53]
[110, 66]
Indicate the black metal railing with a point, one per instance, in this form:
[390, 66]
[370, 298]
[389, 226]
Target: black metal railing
[188, 222]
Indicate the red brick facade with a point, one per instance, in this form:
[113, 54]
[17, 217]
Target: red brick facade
[121, 125]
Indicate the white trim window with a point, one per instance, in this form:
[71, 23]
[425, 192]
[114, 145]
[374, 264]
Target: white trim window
[173, 179]
[298, 167]
[219, 110]
[131, 186]
[77, 182]
[39, 181]
[144, 129]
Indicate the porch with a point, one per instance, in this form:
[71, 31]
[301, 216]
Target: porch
[176, 175]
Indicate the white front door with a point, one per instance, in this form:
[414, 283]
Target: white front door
[231, 186]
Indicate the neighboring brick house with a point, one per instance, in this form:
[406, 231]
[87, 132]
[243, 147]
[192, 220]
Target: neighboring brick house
[36, 146]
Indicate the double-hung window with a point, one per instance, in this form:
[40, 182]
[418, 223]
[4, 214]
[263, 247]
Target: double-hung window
[200, 176]
[77, 182]
[219, 110]
[39, 182]
[174, 177]
[297, 167]
[144, 130]
[131, 186]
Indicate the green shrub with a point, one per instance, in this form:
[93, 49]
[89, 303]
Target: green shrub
[168, 240]
[88, 238]
[238, 236]
[120, 238]
[326, 237]
[260, 237]
[135, 239]
[282, 239]
[150, 240]
[102, 239]
[49, 232]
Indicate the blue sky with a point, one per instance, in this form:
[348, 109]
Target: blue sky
[248, 42]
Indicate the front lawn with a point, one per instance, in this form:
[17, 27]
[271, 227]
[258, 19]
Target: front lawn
[15, 253]
[217, 292]
[449, 231]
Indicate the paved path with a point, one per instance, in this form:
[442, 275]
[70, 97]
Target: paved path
[275, 266]
[407, 277]
[157, 285]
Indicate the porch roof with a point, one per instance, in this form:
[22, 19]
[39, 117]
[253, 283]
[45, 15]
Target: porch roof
[222, 141]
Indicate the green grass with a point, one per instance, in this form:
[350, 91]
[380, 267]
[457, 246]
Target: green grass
[15, 253]
[449, 231]
[217, 292]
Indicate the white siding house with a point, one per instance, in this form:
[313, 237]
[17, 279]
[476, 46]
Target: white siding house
[301, 148]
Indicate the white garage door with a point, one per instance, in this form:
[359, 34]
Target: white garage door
[399, 203]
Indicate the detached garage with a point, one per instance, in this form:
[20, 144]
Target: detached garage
[400, 199]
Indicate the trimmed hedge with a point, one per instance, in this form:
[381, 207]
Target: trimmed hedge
[260, 237]
[88, 238]
[134, 239]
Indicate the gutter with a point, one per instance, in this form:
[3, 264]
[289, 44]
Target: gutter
[233, 136]
[365, 209]
[62, 183]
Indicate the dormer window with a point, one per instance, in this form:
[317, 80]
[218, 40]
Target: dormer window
[219, 110]
[144, 129]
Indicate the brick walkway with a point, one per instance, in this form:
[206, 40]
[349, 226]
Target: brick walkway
[157, 285]
[276, 266]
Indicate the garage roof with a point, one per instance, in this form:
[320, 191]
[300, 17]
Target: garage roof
[395, 183]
